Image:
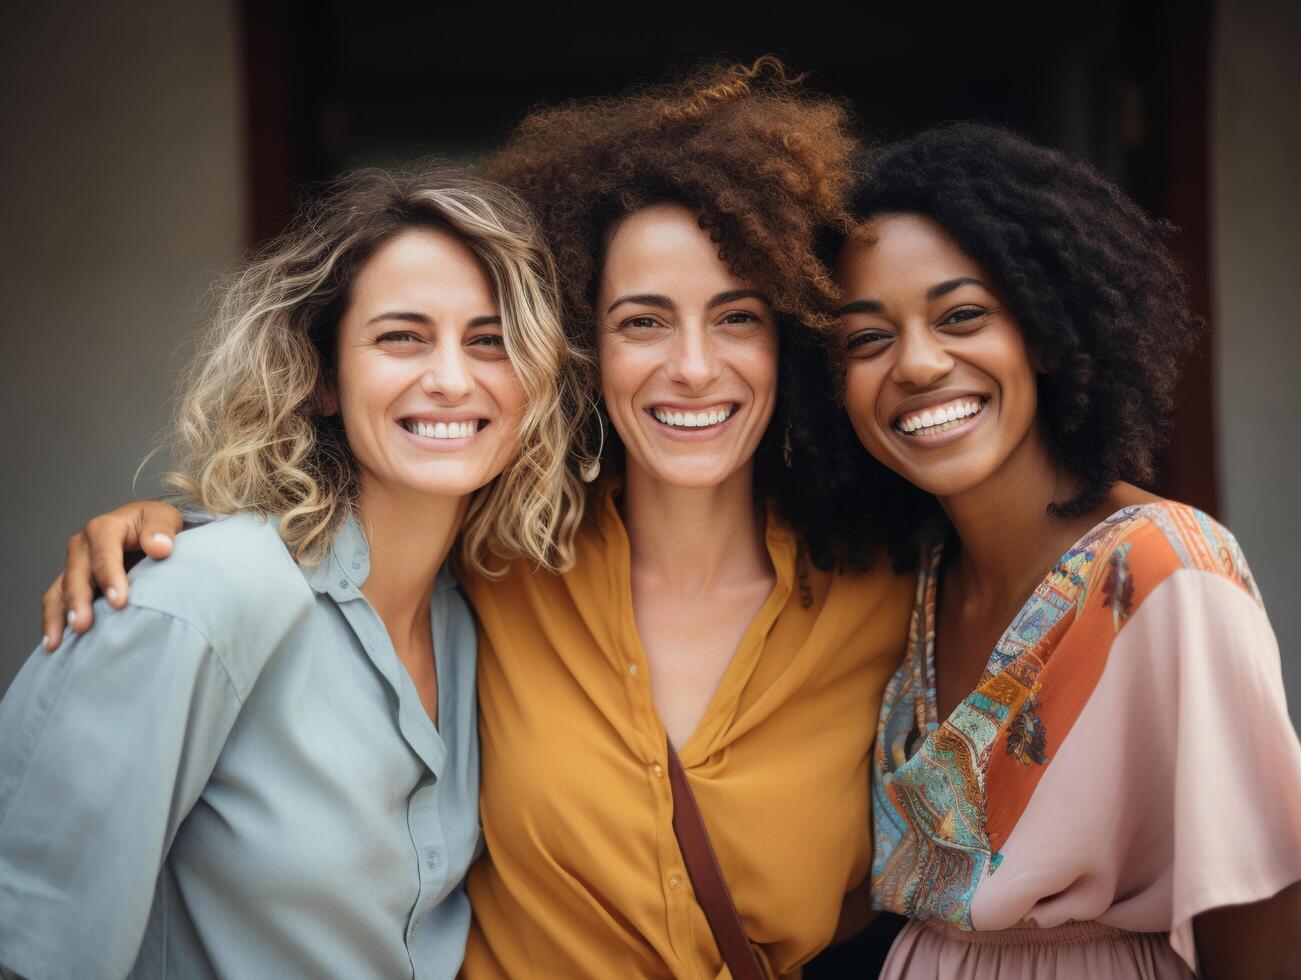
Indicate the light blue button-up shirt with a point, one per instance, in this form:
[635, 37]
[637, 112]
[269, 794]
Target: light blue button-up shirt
[234, 776]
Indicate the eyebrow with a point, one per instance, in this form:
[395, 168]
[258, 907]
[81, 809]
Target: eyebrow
[408, 316]
[732, 295]
[860, 306]
[940, 289]
[405, 315]
[642, 299]
[664, 303]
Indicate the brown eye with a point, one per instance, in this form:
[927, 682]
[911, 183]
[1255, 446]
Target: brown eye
[740, 316]
[866, 341]
[965, 316]
[398, 337]
[640, 323]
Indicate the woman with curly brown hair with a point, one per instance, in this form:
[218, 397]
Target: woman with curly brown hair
[692, 649]
[1108, 791]
[683, 220]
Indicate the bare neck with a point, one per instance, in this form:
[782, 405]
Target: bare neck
[410, 535]
[1007, 537]
[695, 538]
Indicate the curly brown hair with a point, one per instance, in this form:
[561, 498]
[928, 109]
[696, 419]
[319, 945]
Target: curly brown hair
[765, 162]
[1095, 286]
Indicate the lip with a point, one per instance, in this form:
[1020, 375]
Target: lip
[941, 439]
[697, 434]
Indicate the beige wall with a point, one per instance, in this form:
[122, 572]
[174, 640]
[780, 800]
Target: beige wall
[120, 195]
[1256, 215]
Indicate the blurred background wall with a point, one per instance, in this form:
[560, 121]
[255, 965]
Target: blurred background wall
[122, 192]
[1256, 168]
[145, 145]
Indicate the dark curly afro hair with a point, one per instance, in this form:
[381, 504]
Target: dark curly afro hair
[764, 161]
[1093, 283]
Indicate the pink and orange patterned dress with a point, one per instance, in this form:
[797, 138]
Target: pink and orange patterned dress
[1126, 763]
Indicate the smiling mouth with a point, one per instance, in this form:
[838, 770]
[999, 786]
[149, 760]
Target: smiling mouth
[938, 419]
[443, 430]
[675, 418]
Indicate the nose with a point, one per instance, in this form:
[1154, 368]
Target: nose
[921, 358]
[693, 361]
[447, 374]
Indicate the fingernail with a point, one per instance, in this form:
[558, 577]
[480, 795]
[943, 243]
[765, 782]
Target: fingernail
[111, 593]
[72, 616]
[47, 643]
[162, 538]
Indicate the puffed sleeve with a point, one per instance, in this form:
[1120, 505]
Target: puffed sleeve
[105, 746]
[1237, 762]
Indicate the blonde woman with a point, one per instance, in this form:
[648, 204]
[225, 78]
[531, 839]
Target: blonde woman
[266, 763]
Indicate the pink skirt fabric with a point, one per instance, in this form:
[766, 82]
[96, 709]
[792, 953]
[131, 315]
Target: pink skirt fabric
[1076, 951]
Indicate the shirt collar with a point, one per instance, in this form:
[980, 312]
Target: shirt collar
[346, 564]
[342, 571]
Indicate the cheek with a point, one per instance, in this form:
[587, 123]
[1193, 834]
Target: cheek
[760, 369]
[373, 383]
[623, 370]
[1011, 364]
[503, 384]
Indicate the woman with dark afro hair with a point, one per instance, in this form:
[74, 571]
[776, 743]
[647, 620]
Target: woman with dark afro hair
[693, 649]
[1115, 790]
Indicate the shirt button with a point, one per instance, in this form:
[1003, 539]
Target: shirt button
[675, 882]
[657, 769]
[356, 564]
[343, 583]
[632, 670]
[431, 860]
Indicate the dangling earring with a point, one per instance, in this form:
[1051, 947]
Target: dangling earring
[787, 452]
[592, 468]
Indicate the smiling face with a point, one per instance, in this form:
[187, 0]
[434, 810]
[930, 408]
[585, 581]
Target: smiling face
[429, 400]
[939, 384]
[688, 351]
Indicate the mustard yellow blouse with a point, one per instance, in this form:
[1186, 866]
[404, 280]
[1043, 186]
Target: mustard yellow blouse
[583, 877]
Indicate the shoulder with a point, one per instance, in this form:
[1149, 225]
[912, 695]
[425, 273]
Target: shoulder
[527, 586]
[1137, 550]
[232, 580]
[1157, 539]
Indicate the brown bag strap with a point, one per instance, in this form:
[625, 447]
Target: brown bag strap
[707, 878]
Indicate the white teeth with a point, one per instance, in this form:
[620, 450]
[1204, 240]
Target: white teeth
[933, 421]
[690, 420]
[441, 430]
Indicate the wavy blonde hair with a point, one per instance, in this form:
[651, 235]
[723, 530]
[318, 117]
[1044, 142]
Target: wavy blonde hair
[250, 433]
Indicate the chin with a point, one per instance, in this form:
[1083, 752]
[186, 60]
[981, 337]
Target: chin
[944, 480]
[449, 481]
[693, 474]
